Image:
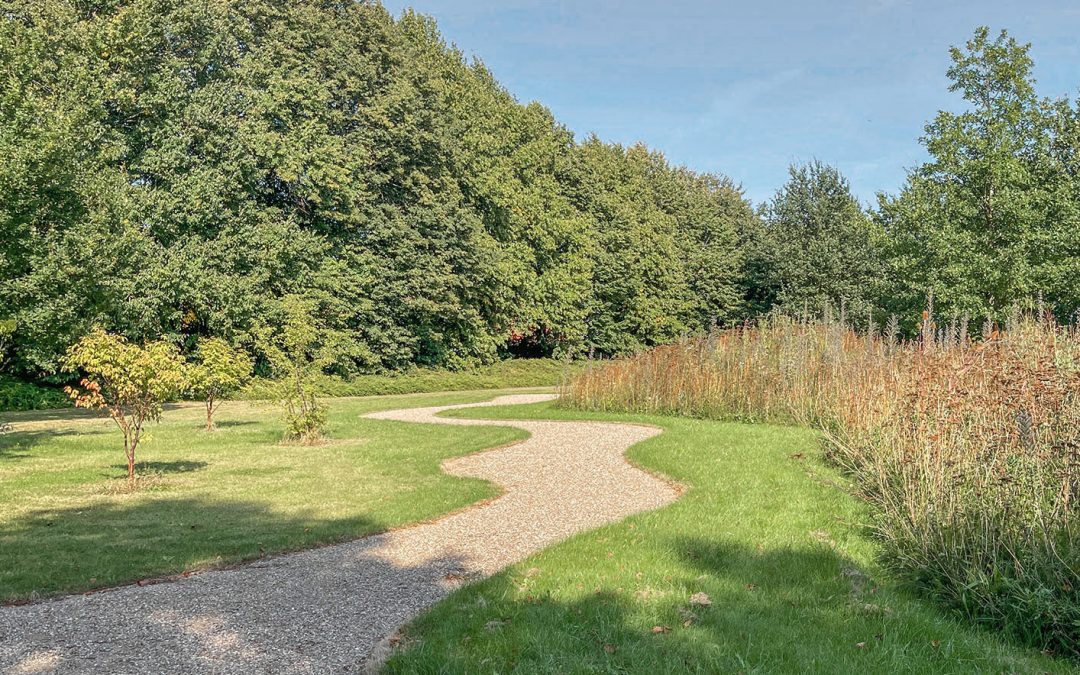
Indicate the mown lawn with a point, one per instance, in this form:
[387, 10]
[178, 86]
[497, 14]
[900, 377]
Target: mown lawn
[764, 530]
[215, 498]
[505, 374]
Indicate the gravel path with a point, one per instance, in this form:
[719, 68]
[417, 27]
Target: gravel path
[331, 609]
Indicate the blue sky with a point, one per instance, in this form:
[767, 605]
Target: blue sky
[746, 88]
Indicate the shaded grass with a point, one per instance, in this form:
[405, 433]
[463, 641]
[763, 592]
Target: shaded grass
[764, 530]
[216, 498]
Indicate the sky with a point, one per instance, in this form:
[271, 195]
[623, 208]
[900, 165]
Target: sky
[747, 88]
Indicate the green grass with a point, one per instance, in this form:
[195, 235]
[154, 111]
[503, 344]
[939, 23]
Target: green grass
[215, 498]
[765, 530]
[509, 373]
[506, 374]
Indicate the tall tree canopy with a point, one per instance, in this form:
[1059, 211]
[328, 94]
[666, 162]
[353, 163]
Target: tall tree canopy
[814, 246]
[991, 219]
[176, 167]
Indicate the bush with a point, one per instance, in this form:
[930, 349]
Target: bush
[968, 450]
[16, 395]
[297, 352]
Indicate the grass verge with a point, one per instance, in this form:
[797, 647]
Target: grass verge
[764, 531]
[506, 374]
[209, 499]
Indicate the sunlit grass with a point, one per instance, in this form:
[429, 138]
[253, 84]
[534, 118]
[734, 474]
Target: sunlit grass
[765, 530]
[68, 524]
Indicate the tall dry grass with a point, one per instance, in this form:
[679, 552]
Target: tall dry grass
[968, 449]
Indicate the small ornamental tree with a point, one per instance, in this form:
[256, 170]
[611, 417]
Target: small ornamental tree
[131, 381]
[296, 355]
[219, 371]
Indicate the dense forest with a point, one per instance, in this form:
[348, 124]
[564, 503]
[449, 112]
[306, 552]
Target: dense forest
[181, 168]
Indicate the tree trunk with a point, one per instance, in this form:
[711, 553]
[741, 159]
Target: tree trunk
[210, 413]
[129, 448]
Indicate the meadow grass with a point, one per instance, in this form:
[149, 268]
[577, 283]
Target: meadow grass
[967, 450]
[68, 524]
[766, 529]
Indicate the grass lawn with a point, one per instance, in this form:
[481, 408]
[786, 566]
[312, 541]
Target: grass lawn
[503, 374]
[215, 498]
[763, 531]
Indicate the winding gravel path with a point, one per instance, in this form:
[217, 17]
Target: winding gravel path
[331, 609]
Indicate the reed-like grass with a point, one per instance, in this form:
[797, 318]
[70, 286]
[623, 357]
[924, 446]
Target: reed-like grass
[969, 449]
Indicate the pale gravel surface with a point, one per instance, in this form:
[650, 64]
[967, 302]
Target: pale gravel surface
[326, 610]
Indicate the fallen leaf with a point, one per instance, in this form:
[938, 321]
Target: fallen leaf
[700, 599]
[660, 629]
[751, 587]
[686, 624]
[609, 648]
[860, 645]
[935, 643]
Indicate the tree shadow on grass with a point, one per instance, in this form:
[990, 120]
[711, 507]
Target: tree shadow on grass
[230, 424]
[318, 611]
[179, 466]
[51, 415]
[786, 610]
[17, 444]
[51, 551]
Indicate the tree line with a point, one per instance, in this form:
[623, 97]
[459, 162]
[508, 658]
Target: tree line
[988, 224]
[181, 170]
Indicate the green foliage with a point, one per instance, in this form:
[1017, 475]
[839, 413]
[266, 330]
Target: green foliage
[665, 258]
[220, 371]
[993, 218]
[16, 395]
[814, 247]
[297, 352]
[130, 381]
[7, 330]
[174, 169]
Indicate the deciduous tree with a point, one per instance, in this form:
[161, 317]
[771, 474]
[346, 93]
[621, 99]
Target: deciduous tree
[815, 246]
[219, 370]
[130, 381]
[298, 348]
